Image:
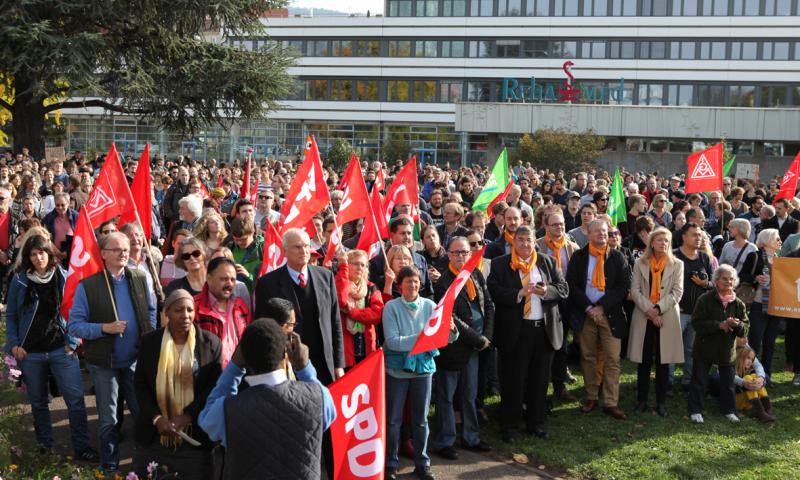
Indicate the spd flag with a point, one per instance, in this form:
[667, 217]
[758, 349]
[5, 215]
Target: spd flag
[404, 189]
[705, 170]
[272, 257]
[789, 181]
[84, 260]
[437, 329]
[308, 193]
[142, 195]
[784, 290]
[111, 195]
[355, 204]
[358, 434]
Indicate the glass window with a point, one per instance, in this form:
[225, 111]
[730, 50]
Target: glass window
[480, 48]
[427, 8]
[317, 90]
[342, 48]
[623, 49]
[450, 91]
[478, 91]
[681, 50]
[453, 48]
[744, 50]
[566, 8]
[685, 93]
[654, 50]
[425, 48]
[424, 90]
[509, 8]
[398, 90]
[712, 50]
[317, 48]
[508, 48]
[797, 51]
[654, 8]
[778, 7]
[595, 8]
[684, 8]
[454, 8]
[399, 48]
[625, 8]
[535, 48]
[720, 8]
[400, 8]
[368, 48]
[482, 8]
[780, 51]
[342, 90]
[367, 90]
[538, 8]
[593, 49]
[742, 96]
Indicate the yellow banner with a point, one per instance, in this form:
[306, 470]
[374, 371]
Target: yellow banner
[784, 289]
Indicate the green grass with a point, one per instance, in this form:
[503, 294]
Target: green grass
[647, 446]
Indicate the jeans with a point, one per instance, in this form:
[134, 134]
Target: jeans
[727, 389]
[466, 380]
[107, 384]
[688, 343]
[761, 337]
[67, 373]
[651, 347]
[418, 392]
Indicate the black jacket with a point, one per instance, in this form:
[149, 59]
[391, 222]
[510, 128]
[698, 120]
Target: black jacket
[456, 355]
[504, 285]
[496, 248]
[208, 353]
[458, 232]
[789, 226]
[618, 283]
[170, 206]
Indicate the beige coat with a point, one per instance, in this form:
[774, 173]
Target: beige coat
[671, 340]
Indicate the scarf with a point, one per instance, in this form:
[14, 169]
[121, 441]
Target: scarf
[555, 246]
[471, 293]
[599, 274]
[656, 271]
[175, 380]
[525, 267]
[34, 276]
[356, 299]
[726, 299]
[509, 237]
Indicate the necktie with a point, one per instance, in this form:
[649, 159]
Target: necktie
[301, 279]
[526, 279]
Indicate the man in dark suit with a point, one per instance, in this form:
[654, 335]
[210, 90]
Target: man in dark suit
[451, 228]
[401, 232]
[526, 289]
[597, 291]
[512, 219]
[782, 221]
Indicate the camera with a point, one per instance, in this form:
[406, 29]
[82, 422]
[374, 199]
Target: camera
[701, 274]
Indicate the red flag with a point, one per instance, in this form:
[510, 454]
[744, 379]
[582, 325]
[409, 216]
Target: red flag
[219, 183]
[437, 329]
[358, 434]
[353, 159]
[380, 182]
[142, 195]
[111, 195]
[308, 193]
[789, 181]
[370, 239]
[404, 189]
[499, 198]
[355, 203]
[272, 257]
[204, 191]
[705, 170]
[84, 260]
[244, 192]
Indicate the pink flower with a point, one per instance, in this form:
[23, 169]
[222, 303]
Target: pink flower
[151, 467]
[131, 476]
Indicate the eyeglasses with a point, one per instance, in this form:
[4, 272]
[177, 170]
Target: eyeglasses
[264, 197]
[604, 199]
[476, 244]
[614, 233]
[118, 251]
[195, 254]
[460, 253]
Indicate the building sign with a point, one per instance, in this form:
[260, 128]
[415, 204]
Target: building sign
[569, 91]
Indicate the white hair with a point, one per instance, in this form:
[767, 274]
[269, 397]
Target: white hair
[725, 269]
[294, 233]
[741, 225]
[193, 203]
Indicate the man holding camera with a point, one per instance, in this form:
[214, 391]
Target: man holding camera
[696, 281]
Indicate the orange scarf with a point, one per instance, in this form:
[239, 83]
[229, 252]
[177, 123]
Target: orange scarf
[599, 274]
[471, 293]
[656, 270]
[555, 246]
[519, 264]
[509, 237]
[479, 266]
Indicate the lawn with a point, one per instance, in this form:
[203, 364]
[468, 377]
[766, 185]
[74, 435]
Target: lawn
[647, 446]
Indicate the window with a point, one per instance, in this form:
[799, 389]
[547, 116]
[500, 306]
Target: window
[743, 96]
[744, 50]
[654, 8]
[797, 51]
[565, 49]
[427, 8]
[482, 8]
[623, 50]
[399, 48]
[295, 47]
[342, 90]
[450, 91]
[745, 7]
[508, 48]
[681, 50]
[565, 8]
[317, 90]
[684, 8]
[478, 91]
[537, 8]
[399, 8]
[342, 48]
[712, 50]
[454, 8]
[425, 48]
[595, 8]
[480, 48]
[774, 96]
[535, 48]
[717, 8]
[776, 51]
[398, 90]
[593, 49]
[367, 90]
[368, 48]
[453, 48]
[424, 91]
[509, 8]
[710, 95]
[778, 8]
[653, 50]
[317, 48]
[626, 8]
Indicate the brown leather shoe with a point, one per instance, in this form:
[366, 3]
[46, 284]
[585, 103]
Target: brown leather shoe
[566, 397]
[615, 412]
[588, 406]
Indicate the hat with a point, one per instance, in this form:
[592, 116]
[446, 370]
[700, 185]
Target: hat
[176, 295]
[674, 178]
[217, 192]
[573, 194]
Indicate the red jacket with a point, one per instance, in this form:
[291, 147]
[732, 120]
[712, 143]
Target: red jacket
[209, 319]
[369, 316]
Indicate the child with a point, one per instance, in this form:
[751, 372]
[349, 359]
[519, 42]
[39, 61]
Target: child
[750, 379]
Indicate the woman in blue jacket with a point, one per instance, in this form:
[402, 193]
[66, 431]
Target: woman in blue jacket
[37, 337]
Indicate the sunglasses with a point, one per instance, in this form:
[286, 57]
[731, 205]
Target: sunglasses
[264, 197]
[604, 199]
[613, 234]
[479, 243]
[195, 254]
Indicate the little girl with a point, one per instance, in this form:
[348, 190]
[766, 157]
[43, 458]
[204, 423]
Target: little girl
[751, 391]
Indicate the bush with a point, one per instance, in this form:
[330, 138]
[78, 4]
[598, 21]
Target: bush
[558, 150]
[339, 154]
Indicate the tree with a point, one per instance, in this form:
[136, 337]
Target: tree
[339, 154]
[149, 59]
[395, 149]
[559, 150]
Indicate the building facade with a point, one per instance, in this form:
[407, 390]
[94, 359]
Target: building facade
[428, 71]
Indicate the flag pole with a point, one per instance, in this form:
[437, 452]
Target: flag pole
[151, 265]
[111, 294]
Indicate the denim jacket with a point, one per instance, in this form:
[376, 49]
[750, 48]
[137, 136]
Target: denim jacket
[20, 316]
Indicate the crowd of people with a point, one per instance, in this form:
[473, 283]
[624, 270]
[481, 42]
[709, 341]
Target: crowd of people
[212, 359]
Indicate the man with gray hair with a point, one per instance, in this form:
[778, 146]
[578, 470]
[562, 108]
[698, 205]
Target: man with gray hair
[190, 208]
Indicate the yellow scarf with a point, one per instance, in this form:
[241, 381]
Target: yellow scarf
[174, 380]
[471, 293]
[555, 246]
[525, 267]
[509, 237]
[599, 274]
[656, 271]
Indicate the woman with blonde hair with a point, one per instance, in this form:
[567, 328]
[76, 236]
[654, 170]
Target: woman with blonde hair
[397, 257]
[210, 229]
[656, 291]
[360, 306]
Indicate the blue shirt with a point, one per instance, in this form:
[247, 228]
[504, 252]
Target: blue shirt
[592, 293]
[212, 418]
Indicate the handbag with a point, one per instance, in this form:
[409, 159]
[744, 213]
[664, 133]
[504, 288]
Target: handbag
[746, 292]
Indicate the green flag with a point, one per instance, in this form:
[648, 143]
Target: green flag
[727, 167]
[616, 201]
[498, 181]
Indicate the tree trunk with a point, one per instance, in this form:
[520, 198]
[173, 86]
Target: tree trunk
[27, 124]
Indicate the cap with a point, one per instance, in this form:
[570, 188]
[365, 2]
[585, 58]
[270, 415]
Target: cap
[573, 194]
[674, 179]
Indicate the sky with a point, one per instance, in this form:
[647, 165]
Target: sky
[349, 6]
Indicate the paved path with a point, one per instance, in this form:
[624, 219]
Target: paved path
[469, 466]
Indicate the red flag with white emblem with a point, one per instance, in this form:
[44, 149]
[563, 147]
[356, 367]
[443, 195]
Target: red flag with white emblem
[359, 434]
[84, 260]
[142, 195]
[272, 257]
[355, 203]
[308, 193]
[370, 239]
[404, 189]
[204, 191]
[380, 182]
[789, 181]
[437, 329]
[111, 196]
[705, 170]
[346, 174]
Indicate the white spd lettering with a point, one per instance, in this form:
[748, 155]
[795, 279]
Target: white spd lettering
[364, 425]
[436, 320]
[79, 257]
